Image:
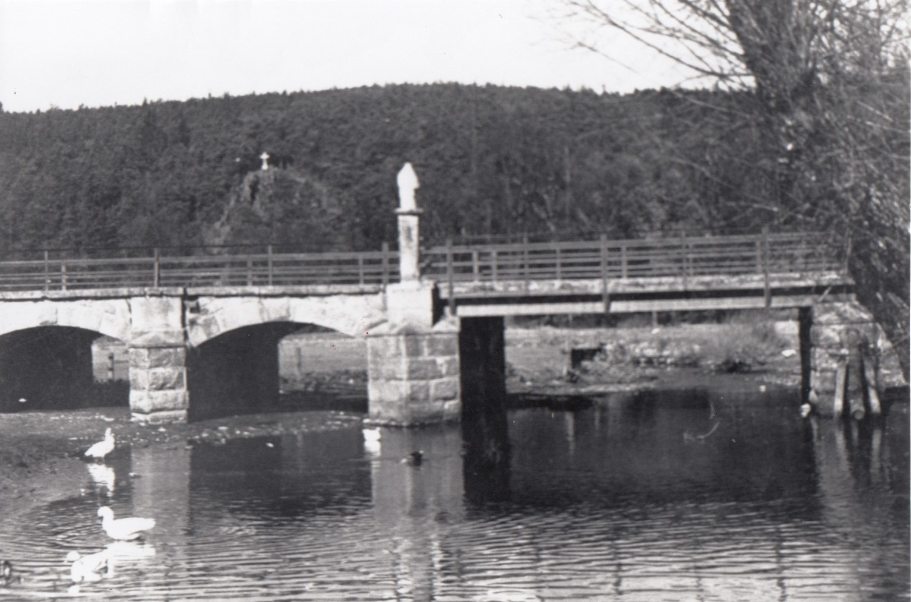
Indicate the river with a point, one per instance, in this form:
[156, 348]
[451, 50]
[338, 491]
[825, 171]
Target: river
[663, 495]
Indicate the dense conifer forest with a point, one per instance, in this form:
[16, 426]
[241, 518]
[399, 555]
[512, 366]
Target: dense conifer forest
[491, 161]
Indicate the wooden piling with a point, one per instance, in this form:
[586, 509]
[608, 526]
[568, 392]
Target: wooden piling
[838, 405]
[872, 390]
[854, 390]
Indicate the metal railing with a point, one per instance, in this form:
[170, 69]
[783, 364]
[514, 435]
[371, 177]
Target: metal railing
[526, 261]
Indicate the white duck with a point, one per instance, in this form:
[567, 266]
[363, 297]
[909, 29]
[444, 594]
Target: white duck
[99, 450]
[89, 568]
[123, 528]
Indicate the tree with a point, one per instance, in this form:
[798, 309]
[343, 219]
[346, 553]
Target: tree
[829, 85]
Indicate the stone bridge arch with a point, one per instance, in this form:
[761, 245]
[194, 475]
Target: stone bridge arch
[111, 317]
[352, 315]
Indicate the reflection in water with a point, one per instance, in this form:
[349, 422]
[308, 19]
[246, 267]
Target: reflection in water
[103, 477]
[619, 500]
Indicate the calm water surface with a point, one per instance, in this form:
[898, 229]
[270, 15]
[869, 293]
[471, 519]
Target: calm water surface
[660, 496]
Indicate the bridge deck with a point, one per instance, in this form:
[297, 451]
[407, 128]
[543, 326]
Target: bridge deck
[583, 276]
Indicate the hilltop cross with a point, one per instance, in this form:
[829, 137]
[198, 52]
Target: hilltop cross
[265, 158]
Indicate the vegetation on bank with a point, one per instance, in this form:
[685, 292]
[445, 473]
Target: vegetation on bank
[493, 162]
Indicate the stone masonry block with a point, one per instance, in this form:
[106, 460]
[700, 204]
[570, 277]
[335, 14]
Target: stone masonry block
[146, 402]
[139, 357]
[439, 345]
[449, 366]
[412, 345]
[161, 417]
[167, 379]
[444, 389]
[157, 357]
[139, 379]
[452, 409]
[422, 369]
[167, 357]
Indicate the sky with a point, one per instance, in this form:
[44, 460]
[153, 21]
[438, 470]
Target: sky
[67, 53]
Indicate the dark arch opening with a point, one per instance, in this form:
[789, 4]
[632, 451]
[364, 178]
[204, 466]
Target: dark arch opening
[261, 368]
[51, 367]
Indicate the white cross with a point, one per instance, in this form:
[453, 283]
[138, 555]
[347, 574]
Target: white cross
[265, 158]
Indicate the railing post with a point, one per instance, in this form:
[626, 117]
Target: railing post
[525, 259]
[623, 271]
[385, 264]
[62, 275]
[249, 270]
[269, 253]
[765, 266]
[559, 274]
[605, 298]
[495, 259]
[475, 268]
[451, 305]
[47, 272]
[156, 269]
[686, 259]
[360, 269]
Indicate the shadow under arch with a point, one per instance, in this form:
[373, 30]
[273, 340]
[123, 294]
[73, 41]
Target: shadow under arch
[50, 367]
[240, 371]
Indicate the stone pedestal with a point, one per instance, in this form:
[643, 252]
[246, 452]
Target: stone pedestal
[844, 340]
[158, 357]
[414, 376]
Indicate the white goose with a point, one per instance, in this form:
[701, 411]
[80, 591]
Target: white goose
[123, 528]
[89, 568]
[99, 450]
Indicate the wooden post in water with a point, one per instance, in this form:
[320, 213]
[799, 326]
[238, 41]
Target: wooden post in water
[838, 402]
[872, 392]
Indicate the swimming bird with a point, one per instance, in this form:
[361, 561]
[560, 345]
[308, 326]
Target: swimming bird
[123, 528]
[99, 450]
[6, 572]
[89, 568]
[414, 458]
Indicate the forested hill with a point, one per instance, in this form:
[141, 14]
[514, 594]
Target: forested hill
[491, 160]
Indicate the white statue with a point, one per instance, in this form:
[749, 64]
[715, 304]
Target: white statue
[408, 182]
[265, 158]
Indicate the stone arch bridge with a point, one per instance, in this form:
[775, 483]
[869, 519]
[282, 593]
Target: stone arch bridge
[203, 327]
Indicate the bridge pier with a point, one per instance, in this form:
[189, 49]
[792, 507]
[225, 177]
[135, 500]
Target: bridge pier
[158, 360]
[412, 362]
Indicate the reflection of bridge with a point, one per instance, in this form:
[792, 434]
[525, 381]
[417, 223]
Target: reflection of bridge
[205, 327]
